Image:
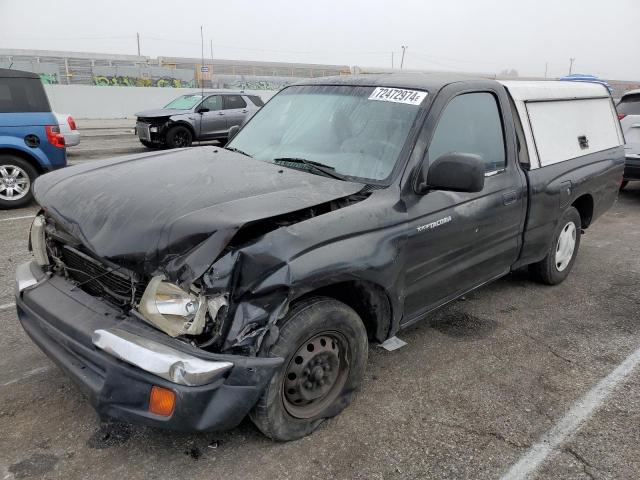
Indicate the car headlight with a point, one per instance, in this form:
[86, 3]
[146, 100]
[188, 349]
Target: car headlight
[171, 309]
[38, 242]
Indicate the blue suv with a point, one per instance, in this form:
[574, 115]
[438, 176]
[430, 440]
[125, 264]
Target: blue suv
[30, 139]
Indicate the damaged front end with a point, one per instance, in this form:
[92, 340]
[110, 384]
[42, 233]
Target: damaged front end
[216, 311]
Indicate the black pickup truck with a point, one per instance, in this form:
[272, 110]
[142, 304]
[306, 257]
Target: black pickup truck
[186, 289]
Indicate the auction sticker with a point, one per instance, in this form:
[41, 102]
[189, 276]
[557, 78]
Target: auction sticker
[398, 95]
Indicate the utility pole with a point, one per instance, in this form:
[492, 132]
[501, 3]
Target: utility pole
[571, 60]
[546, 67]
[404, 48]
[391, 60]
[202, 60]
[211, 48]
[138, 37]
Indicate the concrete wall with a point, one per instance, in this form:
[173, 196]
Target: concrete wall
[84, 101]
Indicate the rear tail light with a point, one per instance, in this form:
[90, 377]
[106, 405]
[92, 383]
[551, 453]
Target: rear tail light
[72, 123]
[54, 137]
[621, 116]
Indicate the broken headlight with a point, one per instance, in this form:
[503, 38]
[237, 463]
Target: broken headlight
[38, 241]
[171, 309]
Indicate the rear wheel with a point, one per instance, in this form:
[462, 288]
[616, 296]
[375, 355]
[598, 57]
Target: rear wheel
[16, 181]
[179, 137]
[324, 344]
[557, 264]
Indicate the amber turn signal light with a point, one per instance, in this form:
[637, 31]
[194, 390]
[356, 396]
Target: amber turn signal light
[162, 401]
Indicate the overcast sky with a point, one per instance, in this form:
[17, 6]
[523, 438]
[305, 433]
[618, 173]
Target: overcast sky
[463, 35]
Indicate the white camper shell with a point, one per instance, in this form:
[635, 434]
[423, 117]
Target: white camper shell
[564, 120]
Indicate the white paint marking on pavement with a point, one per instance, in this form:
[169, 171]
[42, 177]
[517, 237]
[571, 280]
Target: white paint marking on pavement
[28, 374]
[16, 218]
[393, 343]
[571, 422]
[7, 305]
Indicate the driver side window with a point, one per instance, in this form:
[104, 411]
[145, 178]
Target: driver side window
[471, 123]
[213, 103]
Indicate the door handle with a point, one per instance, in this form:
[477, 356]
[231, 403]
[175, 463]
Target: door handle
[245, 111]
[220, 113]
[509, 198]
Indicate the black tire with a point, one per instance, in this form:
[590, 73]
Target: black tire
[179, 137]
[150, 145]
[548, 270]
[316, 321]
[26, 176]
[623, 184]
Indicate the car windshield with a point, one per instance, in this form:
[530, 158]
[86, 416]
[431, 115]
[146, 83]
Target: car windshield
[356, 131]
[185, 102]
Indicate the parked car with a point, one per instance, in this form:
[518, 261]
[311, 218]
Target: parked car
[30, 140]
[195, 117]
[68, 129]
[629, 115]
[251, 279]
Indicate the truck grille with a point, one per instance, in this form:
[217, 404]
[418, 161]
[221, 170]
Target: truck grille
[101, 280]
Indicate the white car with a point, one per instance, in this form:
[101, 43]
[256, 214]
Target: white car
[68, 129]
[629, 115]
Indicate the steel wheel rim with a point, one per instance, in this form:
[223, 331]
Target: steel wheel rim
[180, 139]
[314, 377]
[14, 183]
[565, 246]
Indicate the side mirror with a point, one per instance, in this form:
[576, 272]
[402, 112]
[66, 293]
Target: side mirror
[232, 132]
[454, 171]
[203, 110]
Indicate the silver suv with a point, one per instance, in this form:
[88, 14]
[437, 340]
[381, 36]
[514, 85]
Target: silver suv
[194, 117]
[629, 115]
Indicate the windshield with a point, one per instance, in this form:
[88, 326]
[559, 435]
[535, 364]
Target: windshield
[357, 131]
[185, 102]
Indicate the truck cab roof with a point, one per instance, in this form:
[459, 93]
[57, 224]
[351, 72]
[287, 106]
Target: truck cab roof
[8, 73]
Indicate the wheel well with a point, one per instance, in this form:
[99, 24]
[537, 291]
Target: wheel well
[584, 205]
[25, 156]
[369, 300]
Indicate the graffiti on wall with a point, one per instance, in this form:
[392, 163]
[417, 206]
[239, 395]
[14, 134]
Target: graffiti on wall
[251, 82]
[129, 81]
[49, 78]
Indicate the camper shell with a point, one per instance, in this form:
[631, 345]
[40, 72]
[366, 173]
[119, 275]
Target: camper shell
[345, 210]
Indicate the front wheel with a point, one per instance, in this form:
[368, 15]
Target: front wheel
[179, 137]
[557, 264]
[324, 344]
[16, 181]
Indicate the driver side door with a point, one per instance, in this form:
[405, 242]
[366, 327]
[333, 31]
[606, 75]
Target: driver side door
[460, 240]
[213, 122]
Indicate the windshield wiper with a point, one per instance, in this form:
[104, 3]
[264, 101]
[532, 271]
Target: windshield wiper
[237, 150]
[326, 170]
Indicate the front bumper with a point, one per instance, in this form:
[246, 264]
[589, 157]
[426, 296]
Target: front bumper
[632, 168]
[62, 320]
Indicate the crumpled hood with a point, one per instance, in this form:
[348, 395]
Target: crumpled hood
[175, 211]
[161, 112]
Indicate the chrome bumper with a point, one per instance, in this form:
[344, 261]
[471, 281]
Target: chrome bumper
[24, 277]
[158, 359]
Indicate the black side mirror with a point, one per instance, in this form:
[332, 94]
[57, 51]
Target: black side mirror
[203, 110]
[232, 132]
[454, 171]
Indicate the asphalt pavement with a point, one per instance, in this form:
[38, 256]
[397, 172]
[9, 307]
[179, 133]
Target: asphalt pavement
[486, 383]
